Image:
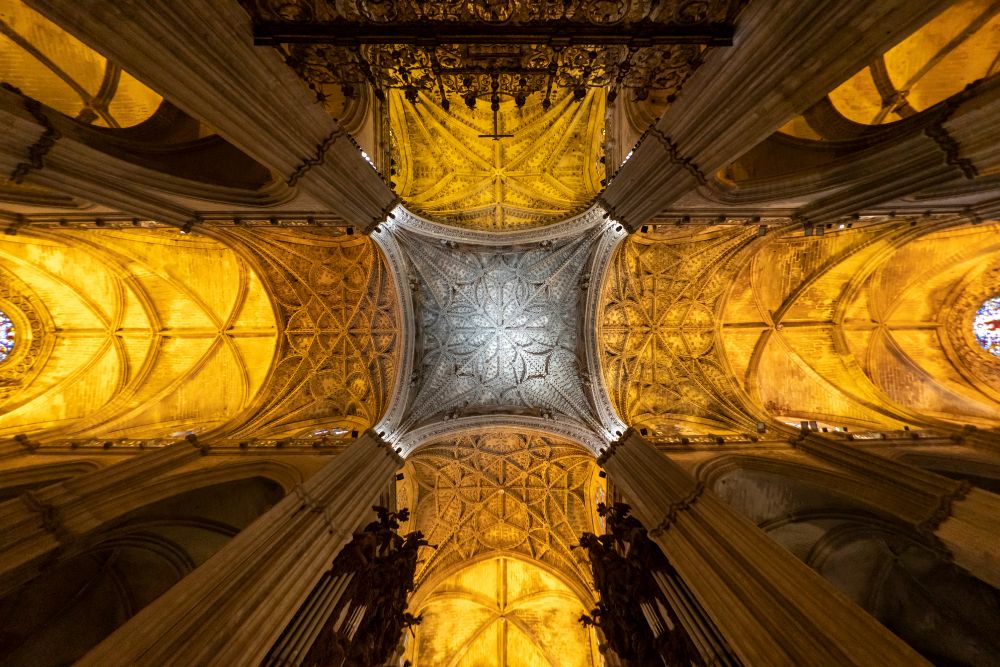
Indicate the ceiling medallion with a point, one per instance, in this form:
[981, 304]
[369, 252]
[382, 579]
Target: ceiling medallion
[492, 49]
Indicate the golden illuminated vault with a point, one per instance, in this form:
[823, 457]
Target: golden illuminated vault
[51, 65]
[547, 170]
[504, 584]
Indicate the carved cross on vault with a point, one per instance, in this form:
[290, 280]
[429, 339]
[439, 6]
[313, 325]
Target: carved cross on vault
[496, 136]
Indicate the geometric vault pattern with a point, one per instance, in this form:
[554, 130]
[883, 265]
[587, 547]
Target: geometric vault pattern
[338, 356]
[500, 493]
[547, 171]
[658, 332]
[499, 329]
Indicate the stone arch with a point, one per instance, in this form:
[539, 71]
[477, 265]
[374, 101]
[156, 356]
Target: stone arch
[134, 322]
[888, 568]
[529, 609]
[869, 333]
[15, 481]
[116, 571]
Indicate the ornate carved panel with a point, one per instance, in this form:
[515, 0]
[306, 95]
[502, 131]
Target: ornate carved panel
[508, 493]
[547, 170]
[658, 332]
[498, 329]
[338, 355]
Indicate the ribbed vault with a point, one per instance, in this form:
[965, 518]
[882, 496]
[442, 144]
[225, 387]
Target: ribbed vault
[548, 170]
[504, 584]
[131, 328]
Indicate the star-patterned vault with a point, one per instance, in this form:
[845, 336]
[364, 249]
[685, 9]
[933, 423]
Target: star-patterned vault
[498, 329]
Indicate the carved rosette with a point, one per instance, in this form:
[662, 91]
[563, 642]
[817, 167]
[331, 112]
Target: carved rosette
[32, 347]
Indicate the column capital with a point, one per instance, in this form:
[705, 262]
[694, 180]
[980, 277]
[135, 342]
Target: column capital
[381, 442]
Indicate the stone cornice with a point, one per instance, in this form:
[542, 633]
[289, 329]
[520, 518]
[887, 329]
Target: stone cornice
[398, 266]
[557, 426]
[574, 226]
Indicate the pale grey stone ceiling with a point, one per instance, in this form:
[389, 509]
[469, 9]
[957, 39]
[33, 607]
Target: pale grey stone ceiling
[499, 329]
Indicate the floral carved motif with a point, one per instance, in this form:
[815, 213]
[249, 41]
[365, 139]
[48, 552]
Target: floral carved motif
[499, 329]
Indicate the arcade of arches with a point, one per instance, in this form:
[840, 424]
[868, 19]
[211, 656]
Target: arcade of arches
[270, 263]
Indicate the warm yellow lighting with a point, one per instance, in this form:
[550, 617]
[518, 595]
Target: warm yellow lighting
[502, 612]
[932, 64]
[149, 333]
[547, 171]
[52, 66]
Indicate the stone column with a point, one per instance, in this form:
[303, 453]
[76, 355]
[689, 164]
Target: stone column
[231, 609]
[960, 142]
[771, 608]
[966, 520]
[743, 93]
[199, 54]
[47, 149]
[39, 525]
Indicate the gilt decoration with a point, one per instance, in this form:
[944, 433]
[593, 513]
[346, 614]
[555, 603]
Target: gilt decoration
[657, 331]
[451, 171]
[476, 49]
[338, 357]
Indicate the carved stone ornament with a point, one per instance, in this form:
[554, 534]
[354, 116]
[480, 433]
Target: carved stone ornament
[498, 329]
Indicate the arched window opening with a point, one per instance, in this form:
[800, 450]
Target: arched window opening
[7, 334]
[108, 577]
[986, 325]
[934, 63]
[47, 63]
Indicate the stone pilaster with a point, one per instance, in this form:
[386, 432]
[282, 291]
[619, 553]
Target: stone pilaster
[230, 610]
[771, 608]
[200, 56]
[743, 93]
[38, 525]
[965, 520]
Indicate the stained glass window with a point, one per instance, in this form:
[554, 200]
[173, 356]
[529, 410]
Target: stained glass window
[6, 335]
[986, 326]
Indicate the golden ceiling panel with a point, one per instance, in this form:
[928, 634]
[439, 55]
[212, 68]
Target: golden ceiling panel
[657, 332]
[868, 329]
[52, 66]
[133, 325]
[501, 492]
[937, 61]
[548, 170]
[501, 612]
[338, 355]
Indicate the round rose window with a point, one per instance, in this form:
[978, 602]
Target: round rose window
[986, 325]
[6, 336]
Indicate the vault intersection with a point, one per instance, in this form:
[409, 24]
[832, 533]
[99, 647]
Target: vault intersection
[498, 328]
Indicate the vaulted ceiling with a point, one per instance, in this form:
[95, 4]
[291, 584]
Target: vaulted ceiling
[507, 319]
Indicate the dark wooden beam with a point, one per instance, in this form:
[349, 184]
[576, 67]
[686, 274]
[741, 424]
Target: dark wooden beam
[552, 33]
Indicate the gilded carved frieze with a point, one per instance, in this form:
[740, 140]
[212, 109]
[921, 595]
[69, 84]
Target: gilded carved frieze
[500, 492]
[658, 332]
[338, 355]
